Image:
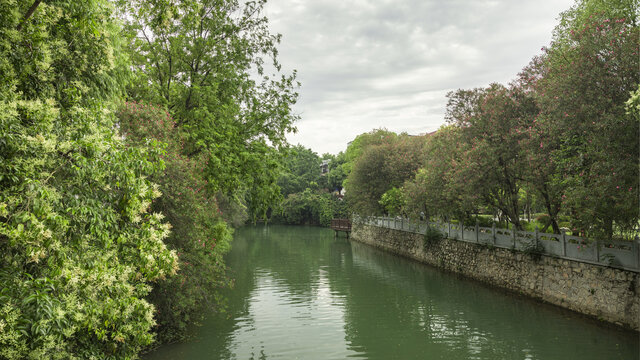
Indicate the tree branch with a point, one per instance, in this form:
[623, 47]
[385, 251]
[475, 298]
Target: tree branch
[30, 12]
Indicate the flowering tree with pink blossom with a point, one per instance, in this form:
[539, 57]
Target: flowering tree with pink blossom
[581, 85]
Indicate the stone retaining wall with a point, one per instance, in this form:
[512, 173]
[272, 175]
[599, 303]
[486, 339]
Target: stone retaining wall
[608, 294]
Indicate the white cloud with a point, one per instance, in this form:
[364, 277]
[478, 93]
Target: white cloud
[369, 64]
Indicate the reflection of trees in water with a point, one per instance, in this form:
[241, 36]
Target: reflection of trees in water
[292, 255]
[396, 308]
[393, 308]
[261, 356]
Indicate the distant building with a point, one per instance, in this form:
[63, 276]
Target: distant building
[324, 167]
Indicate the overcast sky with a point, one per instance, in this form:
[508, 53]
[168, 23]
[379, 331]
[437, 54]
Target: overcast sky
[367, 64]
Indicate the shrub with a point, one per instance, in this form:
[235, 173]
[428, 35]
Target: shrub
[534, 249]
[199, 235]
[432, 237]
[484, 221]
[79, 247]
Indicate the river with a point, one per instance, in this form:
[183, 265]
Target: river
[301, 293]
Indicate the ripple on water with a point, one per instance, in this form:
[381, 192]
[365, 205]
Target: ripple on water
[302, 294]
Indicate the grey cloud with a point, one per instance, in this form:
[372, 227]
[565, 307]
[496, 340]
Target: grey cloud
[367, 64]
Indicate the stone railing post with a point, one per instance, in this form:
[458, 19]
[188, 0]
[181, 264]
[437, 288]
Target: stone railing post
[597, 242]
[477, 231]
[462, 230]
[536, 237]
[564, 243]
[636, 250]
[493, 232]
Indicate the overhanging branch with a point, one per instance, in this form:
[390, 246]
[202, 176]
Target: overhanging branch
[30, 12]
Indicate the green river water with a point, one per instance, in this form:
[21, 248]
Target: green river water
[300, 293]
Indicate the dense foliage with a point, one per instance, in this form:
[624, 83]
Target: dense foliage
[79, 248]
[111, 229]
[129, 140]
[385, 161]
[198, 235]
[305, 189]
[208, 62]
[224, 120]
[562, 140]
[301, 170]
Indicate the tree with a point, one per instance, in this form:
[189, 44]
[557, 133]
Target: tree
[541, 170]
[337, 174]
[433, 190]
[205, 61]
[383, 164]
[301, 169]
[67, 51]
[584, 79]
[307, 208]
[79, 247]
[490, 167]
[199, 234]
[361, 142]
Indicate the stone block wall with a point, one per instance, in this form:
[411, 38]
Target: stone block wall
[612, 295]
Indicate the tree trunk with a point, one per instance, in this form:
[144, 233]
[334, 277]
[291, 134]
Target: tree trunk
[30, 12]
[551, 210]
[608, 228]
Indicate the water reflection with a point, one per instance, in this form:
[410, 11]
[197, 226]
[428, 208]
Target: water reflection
[302, 294]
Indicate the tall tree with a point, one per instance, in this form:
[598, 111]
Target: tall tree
[385, 162]
[489, 121]
[586, 76]
[206, 61]
[301, 169]
[542, 138]
[434, 190]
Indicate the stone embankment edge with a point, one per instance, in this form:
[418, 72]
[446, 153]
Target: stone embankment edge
[611, 295]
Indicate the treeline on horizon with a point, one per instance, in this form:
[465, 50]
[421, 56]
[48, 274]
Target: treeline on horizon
[561, 142]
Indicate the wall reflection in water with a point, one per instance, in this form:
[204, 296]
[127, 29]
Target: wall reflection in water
[302, 294]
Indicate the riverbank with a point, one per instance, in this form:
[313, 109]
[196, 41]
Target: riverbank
[607, 294]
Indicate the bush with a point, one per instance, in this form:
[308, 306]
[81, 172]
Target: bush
[534, 249]
[484, 220]
[79, 247]
[544, 220]
[199, 235]
[432, 237]
[393, 201]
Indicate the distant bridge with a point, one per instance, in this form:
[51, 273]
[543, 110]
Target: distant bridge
[338, 225]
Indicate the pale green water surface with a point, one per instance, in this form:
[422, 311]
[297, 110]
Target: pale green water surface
[302, 294]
